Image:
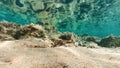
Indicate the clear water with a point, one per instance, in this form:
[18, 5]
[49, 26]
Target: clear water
[7, 13]
[101, 21]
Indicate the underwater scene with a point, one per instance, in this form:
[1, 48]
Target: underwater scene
[93, 17]
[59, 33]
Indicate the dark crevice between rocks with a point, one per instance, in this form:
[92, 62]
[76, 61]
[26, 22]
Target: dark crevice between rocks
[18, 3]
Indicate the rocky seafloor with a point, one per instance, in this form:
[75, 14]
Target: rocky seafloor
[37, 46]
[54, 38]
[59, 34]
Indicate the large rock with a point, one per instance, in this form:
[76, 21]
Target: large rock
[110, 41]
[30, 31]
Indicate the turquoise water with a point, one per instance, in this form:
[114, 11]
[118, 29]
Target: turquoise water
[10, 15]
[96, 17]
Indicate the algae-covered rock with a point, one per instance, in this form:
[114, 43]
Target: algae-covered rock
[4, 37]
[67, 36]
[110, 41]
[37, 6]
[2, 29]
[30, 31]
[8, 28]
[8, 25]
[66, 39]
[92, 39]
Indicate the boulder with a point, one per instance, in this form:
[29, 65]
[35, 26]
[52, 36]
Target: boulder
[30, 31]
[110, 41]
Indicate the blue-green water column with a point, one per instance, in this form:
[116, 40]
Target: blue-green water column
[8, 14]
[104, 22]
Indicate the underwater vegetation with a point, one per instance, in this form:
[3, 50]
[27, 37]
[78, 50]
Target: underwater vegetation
[94, 17]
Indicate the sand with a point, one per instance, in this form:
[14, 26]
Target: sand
[14, 55]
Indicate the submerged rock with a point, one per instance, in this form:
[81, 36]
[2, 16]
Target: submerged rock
[90, 45]
[15, 31]
[8, 27]
[2, 29]
[37, 6]
[12, 31]
[110, 41]
[4, 37]
[66, 39]
[31, 30]
[92, 39]
[67, 36]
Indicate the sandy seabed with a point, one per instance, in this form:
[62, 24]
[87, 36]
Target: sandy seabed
[13, 54]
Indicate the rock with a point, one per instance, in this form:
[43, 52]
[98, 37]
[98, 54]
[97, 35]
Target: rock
[30, 31]
[110, 41]
[66, 43]
[44, 14]
[38, 5]
[9, 25]
[67, 36]
[70, 45]
[2, 29]
[53, 36]
[61, 42]
[4, 37]
[68, 39]
[8, 28]
[92, 39]
[90, 45]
